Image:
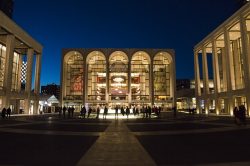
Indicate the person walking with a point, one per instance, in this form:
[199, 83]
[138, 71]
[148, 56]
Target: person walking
[116, 112]
[72, 111]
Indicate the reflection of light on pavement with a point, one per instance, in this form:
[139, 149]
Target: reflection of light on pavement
[112, 116]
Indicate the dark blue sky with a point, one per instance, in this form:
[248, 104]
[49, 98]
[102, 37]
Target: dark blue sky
[176, 24]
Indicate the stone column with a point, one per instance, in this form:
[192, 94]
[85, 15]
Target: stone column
[37, 82]
[229, 61]
[246, 58]
[10, 44]
[205, 80]
[216, 76]
[229, 72]
[20, 63]
[28, 86]
[129, 82]
[197, 79]
[236, 67]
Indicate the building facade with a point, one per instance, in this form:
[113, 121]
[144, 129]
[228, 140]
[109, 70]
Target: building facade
[127, 77]
[228, 48]
[17, 46]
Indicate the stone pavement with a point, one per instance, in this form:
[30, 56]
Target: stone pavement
[185, 140]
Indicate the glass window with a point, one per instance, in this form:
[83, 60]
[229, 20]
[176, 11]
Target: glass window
[161, 72]
[96, 76]
[140, 67]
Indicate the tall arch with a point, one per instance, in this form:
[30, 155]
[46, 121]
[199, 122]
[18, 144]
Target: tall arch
[73, 79]
[96, 81]
[163, 83]
[140, 76]
[118, 77]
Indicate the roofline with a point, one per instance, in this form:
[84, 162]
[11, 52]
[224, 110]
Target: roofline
[10, 26]
[227, 23]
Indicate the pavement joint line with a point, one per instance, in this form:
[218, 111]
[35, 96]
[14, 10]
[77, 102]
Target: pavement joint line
[193, 131]
[49, 132]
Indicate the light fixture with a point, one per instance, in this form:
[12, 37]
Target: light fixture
[118, 79]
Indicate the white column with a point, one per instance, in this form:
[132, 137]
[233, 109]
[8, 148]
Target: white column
[197, 79]
[229, 73]
[20, 63]
[38, 73]
[37, 82]
[205, 80]
[216, 76]
[215, 68]
[205, 71]
[246, 59]
[229, 62]
[10, 44]
[30, 55]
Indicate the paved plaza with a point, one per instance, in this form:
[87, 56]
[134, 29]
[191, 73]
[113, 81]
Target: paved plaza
[185, 140]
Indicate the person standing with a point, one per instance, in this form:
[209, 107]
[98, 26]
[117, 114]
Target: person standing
[72, 111]
[97, 112]
[236, 113]
[127, 112]
[89, 111]
[105, 112]
[122, 111]
[8, 112]
[64, 111]
[116, 112]
[3, 112]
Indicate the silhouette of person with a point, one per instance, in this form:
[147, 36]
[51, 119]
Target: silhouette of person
[8, 112]
[127, 111]
[97, 112]
[89, 111]
[105, 112]
[3, 112]
[116, 112]
[64, 111]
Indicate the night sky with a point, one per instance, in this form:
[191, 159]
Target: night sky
[176, 24]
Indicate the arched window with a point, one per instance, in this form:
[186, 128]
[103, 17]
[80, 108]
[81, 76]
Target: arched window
[74, 76]
[96, 66]
[118, 76]
[140, 67]
[161, 74]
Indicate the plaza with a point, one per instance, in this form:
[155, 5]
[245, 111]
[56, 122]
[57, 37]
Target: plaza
[185, 140]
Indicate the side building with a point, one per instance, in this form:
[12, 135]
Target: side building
[228, 50]
[17, 46]
[123, 77]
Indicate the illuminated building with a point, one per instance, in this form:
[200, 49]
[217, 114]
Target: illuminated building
[228, 48]
[125, 77]
[16, 46]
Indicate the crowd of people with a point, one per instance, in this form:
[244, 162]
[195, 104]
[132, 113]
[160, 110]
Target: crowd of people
[144, 111]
